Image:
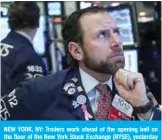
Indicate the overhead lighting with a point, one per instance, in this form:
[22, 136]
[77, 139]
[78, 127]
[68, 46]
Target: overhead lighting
[115, 4]
[141, 14]
[145, 19]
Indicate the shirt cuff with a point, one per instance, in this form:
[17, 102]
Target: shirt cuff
[141, 119]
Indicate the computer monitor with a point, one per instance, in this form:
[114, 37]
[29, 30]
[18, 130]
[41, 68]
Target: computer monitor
[131, 60]
[4, 27]
[54, 8]
[4, 23]
[124, 18]
[39, 39]
[4, 11]
[83, 4]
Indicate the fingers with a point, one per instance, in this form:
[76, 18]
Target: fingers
[130, 81]
[131, 87]
[127, 79]
[121, 78]
[122, 93]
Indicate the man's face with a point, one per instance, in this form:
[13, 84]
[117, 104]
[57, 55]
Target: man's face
[102, 47]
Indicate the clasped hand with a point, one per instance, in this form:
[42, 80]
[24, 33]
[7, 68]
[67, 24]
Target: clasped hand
[131, 87]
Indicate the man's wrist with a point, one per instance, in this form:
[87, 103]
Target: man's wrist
[145, 108]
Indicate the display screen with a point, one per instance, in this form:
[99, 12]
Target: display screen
[4, 11]
[131, 60]
[124, 22]
[54, 8]
[4, 27]
[39, 39]
[84, 4]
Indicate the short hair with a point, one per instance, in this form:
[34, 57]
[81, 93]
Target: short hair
[72, 30]
[23, 14]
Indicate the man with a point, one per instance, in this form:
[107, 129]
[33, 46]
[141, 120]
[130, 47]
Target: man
[80, 93]
[18, 57]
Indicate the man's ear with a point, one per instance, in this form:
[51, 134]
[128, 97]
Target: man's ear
[75, 50]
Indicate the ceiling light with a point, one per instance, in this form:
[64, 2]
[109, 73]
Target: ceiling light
[145, 19]
[115, 4]
[141, 14]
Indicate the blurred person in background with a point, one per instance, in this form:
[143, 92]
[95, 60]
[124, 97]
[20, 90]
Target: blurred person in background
[87, 90]
[19, 61]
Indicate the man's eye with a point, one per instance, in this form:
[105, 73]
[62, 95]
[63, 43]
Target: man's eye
[103, 34]
[117, 31]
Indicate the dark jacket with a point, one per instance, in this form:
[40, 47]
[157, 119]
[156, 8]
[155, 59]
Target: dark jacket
[49, 98]
[19, 62]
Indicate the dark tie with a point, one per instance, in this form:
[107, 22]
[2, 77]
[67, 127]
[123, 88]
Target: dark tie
[104, 102]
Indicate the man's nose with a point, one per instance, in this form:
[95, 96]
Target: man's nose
[115, 40]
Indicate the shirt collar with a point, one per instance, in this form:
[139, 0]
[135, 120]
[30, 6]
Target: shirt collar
[25, 35]
[89, 82]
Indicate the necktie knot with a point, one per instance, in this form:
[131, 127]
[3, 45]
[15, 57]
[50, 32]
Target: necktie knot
[102, 88]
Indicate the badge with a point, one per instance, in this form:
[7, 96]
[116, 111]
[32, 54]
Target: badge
[79, 88]
[81, 99]
[71, 91]
[75, 104]
[68, 85]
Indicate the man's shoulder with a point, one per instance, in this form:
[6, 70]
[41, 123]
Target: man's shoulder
[51, 82]
[17, 41]
[17, 50]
